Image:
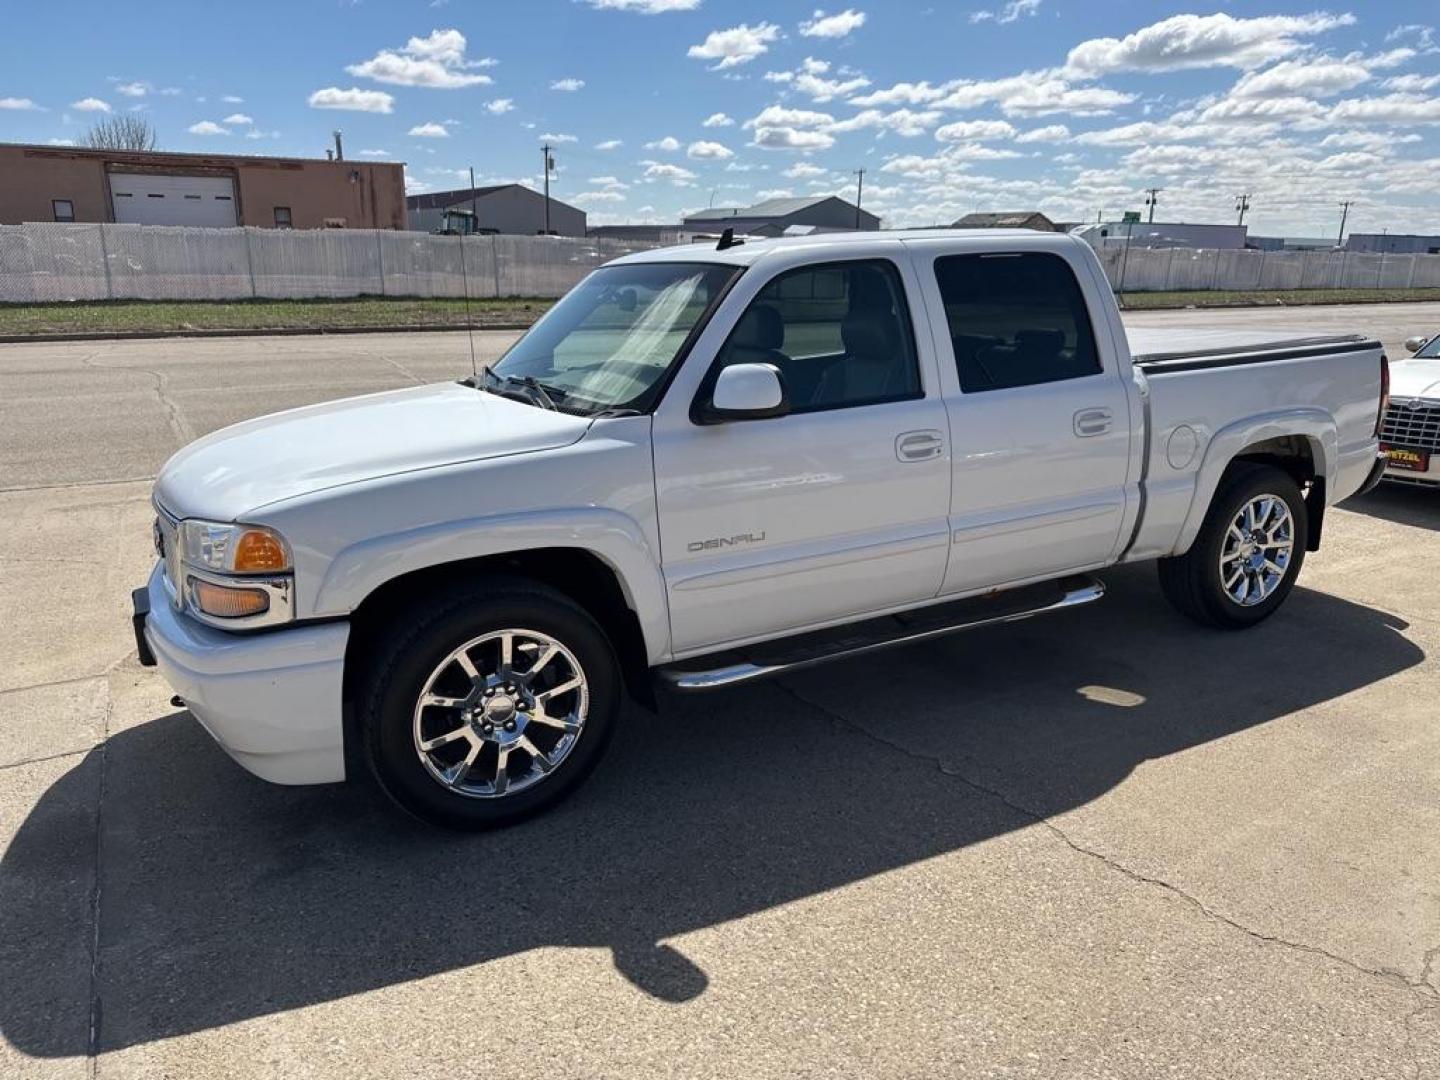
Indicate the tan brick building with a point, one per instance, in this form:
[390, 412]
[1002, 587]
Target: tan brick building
[64, 183]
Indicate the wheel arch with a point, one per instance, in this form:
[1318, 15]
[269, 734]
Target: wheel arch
[1300, 442]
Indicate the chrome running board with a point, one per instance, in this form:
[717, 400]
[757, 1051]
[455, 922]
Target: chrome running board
[854, 639]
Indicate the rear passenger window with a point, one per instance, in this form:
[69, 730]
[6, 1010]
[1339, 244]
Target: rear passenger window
[838, 332]
[1015, 320]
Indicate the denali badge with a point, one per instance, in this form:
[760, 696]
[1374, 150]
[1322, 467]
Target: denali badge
[724, 542]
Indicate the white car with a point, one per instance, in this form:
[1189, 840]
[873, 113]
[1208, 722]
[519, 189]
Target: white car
[1410, 434]
[708, 465]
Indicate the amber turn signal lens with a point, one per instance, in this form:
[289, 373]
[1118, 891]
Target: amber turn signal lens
[260, 552]
[228, 603]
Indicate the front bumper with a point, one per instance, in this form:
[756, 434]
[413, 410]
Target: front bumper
[272, 700]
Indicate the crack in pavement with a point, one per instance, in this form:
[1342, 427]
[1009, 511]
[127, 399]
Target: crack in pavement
[96, 1014]
[179, 426]
[1422, 988]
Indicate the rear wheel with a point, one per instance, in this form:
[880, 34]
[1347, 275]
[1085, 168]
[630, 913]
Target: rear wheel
[1248, 553]
[486, 707]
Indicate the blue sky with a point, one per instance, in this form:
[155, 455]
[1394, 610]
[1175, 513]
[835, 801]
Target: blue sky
[656, 107]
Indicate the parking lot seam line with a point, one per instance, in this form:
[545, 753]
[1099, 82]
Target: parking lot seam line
[1392, 978]
[93, 1042]
[77, 484]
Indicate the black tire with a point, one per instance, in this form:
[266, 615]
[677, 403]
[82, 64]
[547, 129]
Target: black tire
[419, 640]
[1192, 582]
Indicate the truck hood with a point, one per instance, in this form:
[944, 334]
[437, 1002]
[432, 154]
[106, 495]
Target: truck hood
[1415, 378]
[237, 470]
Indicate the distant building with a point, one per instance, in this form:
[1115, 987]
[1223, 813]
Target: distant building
[1291, 243]
[1393, 243]
[146, 187]
[1160, 234]
[650, 234]
[499, 208]
[1020, 219]
[774, 217]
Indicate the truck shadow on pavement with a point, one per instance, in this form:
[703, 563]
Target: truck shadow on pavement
[222, 898]
[1400, 503]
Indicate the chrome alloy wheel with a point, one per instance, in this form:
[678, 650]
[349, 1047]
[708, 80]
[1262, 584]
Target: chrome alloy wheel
[1256, 553]
[500, 713]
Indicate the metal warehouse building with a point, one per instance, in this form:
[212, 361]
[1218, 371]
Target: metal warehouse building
[63, 183]
[500, 208]
[774, 217]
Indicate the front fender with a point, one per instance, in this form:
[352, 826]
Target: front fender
[611, 536]
[1315, 425]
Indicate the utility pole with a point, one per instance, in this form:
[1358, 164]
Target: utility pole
[859, 193]
[1242, 203]
[1344, 213]
[549, 164]
[1151, 198]
[474, 217]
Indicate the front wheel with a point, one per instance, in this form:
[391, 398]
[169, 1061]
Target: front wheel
[1248, 553]
[488, 706]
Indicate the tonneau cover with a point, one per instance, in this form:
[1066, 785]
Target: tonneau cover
[1184, 348]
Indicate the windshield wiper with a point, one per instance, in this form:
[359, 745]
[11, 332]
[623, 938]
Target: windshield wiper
[531, 389]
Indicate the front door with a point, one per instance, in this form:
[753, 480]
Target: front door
[833, 511]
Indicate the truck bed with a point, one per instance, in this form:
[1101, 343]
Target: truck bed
[1161, 350]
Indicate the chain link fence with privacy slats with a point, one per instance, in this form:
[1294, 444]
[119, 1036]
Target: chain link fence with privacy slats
[42, 263]
[52, 262]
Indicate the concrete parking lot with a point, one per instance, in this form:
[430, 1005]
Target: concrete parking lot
[1107, 843]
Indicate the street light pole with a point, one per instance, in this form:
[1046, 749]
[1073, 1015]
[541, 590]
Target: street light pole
[549, 164]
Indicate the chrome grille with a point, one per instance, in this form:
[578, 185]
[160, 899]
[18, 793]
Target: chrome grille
[1413, 424]
[169, 536]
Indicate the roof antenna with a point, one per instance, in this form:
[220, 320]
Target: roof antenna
[727, 240]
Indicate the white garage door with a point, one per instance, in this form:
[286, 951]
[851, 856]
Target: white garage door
[159, 199]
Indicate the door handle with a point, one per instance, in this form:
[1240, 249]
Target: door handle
[919, 445]
[1091, 422]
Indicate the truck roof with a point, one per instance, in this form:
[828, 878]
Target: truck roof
[753, 248]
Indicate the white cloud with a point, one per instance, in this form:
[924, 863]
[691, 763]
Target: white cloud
[233, 99]
[171, 91]
[645, 7]
[437, 61]
[783, 137]
[206, 127]
[1201, 41]
[1031, 93]
[976, 130]
[609, 144]
[567, 86]
[1007, 14]
[675, 174]
[560, 138]
[1390, 109]
[1048, 133]
[374, 153]
[1412, 84]
[702, 150]
[833, 26]
[904, 122]
[133, 89]
[500, 106]
[59, 142]
[606, 182]
[825, 89]
[429, 130]
[596, 196]
[237, 118]
[352, 100]
[718, 119]
[803, 170]
[18, 104]
[1318, 77]
[736, 46]
[90, 104]
[669, 144]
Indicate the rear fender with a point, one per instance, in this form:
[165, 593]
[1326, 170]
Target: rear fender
[1315, 425]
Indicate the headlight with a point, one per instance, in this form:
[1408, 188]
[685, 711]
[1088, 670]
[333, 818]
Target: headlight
[235, 576]
[233, 549]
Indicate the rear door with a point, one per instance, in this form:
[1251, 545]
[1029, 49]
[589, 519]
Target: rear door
[1039, 416]
[831, 512]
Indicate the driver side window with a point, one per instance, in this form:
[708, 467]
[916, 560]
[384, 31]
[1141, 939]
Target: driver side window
[839, 333]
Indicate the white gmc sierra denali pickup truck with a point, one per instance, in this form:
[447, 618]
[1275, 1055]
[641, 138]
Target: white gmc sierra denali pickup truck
[711, 464]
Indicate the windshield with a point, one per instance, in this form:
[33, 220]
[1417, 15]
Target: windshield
[609, 342]
[1431, 349]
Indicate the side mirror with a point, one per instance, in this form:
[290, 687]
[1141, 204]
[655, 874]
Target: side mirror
[1416, 343]
[746, 392]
